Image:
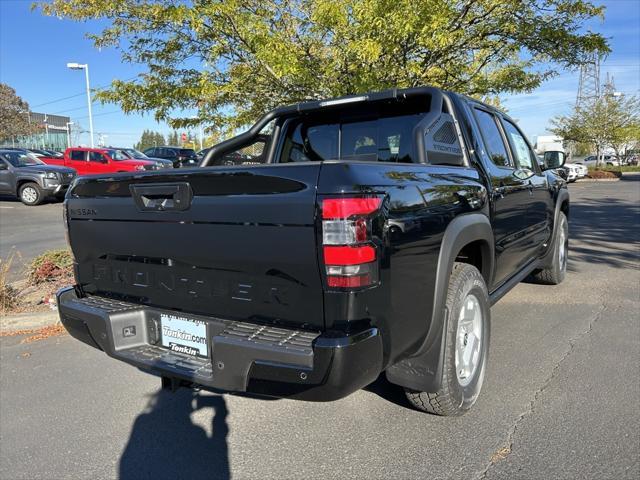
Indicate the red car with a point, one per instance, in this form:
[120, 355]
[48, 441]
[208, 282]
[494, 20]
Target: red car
[94, 161]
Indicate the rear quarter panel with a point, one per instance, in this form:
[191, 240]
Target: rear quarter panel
[420, 201]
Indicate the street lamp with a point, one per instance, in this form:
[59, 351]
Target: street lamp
[85, 67]
[69, 134]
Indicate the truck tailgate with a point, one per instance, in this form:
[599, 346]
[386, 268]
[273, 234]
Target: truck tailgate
[237, 243]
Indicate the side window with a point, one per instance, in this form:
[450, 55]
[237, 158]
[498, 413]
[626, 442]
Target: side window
[494, 144]
[78, 155]
[96, 157]
[149, 152]
[519, 147]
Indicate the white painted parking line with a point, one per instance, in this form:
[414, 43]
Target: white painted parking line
[2, 206]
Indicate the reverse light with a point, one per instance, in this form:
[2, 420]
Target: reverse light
[350, 257]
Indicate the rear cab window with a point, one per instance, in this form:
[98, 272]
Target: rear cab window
[370, 133]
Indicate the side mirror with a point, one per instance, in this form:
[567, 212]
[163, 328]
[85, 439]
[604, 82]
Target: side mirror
[554, 160]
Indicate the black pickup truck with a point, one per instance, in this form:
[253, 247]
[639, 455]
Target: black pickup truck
[331, 242]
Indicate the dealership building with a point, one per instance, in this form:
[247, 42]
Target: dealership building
[52, 132]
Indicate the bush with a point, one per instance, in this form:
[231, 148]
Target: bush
[9, 298]
[598, 174]
[51, 266]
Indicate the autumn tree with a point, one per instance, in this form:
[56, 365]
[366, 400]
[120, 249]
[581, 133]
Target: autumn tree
[14, 114]
[233, 60]
[611, 121]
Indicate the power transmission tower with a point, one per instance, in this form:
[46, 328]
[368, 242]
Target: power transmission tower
[588, 89]
[589, 86]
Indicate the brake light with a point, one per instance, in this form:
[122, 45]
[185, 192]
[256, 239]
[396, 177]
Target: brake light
[350, 257]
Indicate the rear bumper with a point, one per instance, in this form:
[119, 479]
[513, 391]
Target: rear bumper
[243, 357]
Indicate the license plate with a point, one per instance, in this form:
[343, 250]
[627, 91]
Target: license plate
[184, 335]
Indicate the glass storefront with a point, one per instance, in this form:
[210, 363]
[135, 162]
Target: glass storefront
[51, 133]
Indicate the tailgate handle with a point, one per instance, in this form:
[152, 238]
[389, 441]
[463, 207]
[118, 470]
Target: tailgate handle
[162, 197]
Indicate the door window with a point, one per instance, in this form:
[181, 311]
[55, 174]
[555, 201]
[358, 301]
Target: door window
[78, 155]
[493, 141]
[519, 147]
[96, 157]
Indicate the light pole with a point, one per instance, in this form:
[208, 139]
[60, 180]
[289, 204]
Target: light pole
[85, 67]
[69, 134]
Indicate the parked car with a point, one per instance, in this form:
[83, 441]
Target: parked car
[138, 155]
[181, 157]
[92, 161]
[305, 280]
[575, 171]
[32, 181]
[54, 153]
[608, 160]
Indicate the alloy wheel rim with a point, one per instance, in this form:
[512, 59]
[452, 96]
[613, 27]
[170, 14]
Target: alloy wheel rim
[468, 340]
[30, 194]
[562, 249]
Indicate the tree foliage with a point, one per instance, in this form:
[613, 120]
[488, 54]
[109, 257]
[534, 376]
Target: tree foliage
[232, 60]
[173, 138]
[610, 121]
[149, 139]
[14, 114]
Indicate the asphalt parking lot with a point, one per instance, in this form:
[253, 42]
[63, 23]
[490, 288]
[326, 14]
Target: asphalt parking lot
[29, 231]
[560, 399]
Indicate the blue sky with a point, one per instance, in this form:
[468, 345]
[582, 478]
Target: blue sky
[34, 50]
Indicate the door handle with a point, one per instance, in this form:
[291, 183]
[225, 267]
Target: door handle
[162, 196]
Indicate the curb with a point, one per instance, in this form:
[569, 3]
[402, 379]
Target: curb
[28, 321]
[592, 180]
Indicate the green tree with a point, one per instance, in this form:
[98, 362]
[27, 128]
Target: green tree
[158, 139]
[14, 114]
[149, 139]
[173, 138]
[232, 60]
[610, 121]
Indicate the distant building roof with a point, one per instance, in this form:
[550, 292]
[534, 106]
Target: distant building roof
[54, 122]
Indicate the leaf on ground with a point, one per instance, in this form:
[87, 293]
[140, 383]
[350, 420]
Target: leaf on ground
[36, 334]
[500, 454]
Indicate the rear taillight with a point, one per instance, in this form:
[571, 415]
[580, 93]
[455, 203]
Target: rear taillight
[350, 256]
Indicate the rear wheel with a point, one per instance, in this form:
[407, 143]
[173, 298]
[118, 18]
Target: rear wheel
[555, 273]
[466, 346]
[31, 194]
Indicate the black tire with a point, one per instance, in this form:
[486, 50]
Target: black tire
[555, 273]
[457, 395]
[31, 194]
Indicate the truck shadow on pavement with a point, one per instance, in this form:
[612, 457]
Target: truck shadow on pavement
[604, 231]
[166, 444]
